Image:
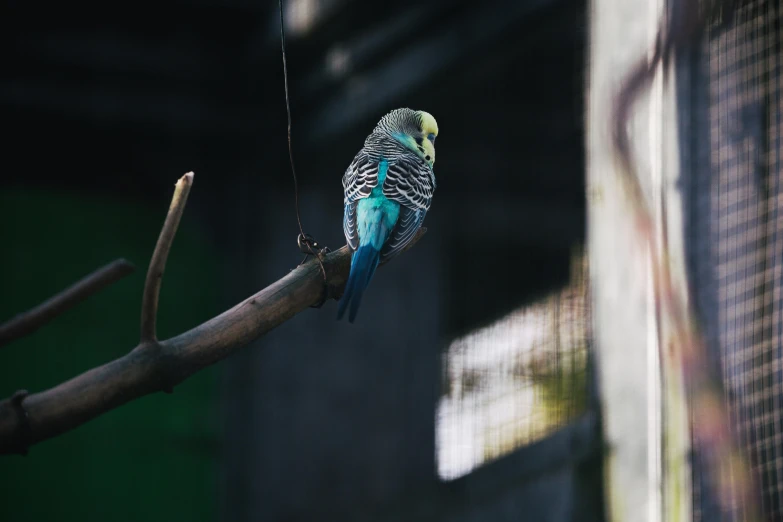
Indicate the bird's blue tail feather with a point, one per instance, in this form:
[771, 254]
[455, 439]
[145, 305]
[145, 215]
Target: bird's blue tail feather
[363, 265]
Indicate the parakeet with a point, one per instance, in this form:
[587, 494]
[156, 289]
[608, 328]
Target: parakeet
[388, 189]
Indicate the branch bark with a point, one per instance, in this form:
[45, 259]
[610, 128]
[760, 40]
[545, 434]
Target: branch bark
[149, 300]
[30, 321]
[158, 366]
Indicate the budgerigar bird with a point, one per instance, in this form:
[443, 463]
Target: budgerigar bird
[388, 189]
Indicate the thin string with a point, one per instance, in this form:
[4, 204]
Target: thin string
[303, 239]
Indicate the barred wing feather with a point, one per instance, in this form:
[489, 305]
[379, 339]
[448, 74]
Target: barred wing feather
[349, 225]
[359, 179]
[411, 183]
[407, 224]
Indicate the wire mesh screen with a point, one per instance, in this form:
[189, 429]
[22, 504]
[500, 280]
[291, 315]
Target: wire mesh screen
[517, 380]
[734, 236]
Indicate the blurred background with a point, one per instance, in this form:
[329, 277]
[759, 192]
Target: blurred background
[470, 350]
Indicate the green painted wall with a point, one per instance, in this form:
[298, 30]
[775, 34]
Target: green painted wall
[154, 458]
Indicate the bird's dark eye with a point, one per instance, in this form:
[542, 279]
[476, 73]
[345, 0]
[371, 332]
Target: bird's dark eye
[431, 137]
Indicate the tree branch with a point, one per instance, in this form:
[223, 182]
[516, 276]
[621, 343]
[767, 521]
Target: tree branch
[158, 366]
[149, 301]
[30, 321]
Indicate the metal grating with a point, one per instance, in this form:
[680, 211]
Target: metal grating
[734, 234]
[517, 380]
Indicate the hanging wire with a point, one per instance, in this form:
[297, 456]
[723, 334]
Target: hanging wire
[307, 244]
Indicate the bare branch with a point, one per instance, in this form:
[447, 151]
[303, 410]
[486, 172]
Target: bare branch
[158, 366]
[149, 301]
[30, 321]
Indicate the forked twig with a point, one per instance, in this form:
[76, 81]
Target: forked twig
[30, 321]
[153, 366]
[149, 301]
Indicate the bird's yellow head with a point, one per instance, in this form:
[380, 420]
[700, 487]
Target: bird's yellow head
[416, 130]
